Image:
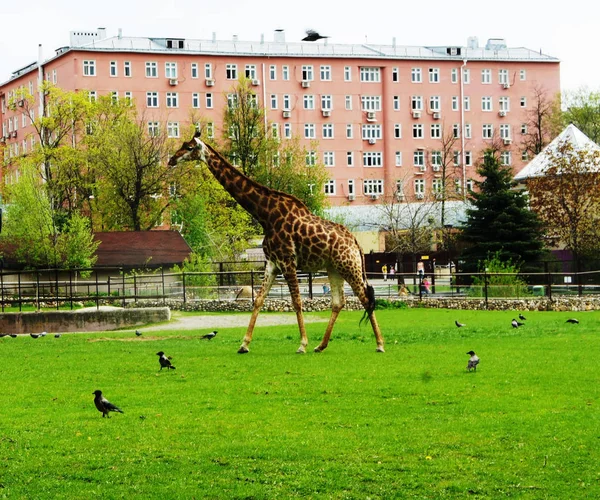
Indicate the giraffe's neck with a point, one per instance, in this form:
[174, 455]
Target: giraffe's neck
[258, 200]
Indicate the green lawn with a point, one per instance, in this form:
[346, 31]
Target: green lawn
[345, 423]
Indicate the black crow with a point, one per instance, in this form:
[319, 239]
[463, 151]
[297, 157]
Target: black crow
[138, 333]
[43, 334]
[312, 36]
[164, 361]
[57, 335]
[473, 361]
[35, 335]
[3, 335]
[104, 405]
[13, 335]
[516, 324]
[573, 321]
[210, 335]
[522, 318]
[459, 325]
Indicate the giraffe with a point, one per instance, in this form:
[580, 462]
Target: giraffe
[294, 238]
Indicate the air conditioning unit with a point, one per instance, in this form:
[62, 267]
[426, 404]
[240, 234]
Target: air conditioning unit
[502, 113]
[372, 140]
[173, 81]
[371, 116]
[416, 114]
[305, 84]
[399, 195]
[505, 85]
[209, 82]
[435, 168]
[374, 196]
[351, 197]
[507, 142]
[326, 112]
[419, 196]
[255, 82]
[287, 113]
[422, 168]
[437, 116]
[20, 103]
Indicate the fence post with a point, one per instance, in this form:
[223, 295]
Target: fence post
[252, 284]
[485, 287]
[57, 295]
[183, 283]
[420, 280]
[71, 287]
[37, 290]
[2, 287]
[135, 288]
[124, 302]
[549, 285]
[162, 275]
[97, 291]
[310, 284]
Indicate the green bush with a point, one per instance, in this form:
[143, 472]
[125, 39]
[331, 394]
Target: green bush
[502, 279]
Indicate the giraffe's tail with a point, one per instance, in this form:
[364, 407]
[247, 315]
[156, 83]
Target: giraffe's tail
[370, 307]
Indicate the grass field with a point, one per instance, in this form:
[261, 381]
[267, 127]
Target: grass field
[345, 423]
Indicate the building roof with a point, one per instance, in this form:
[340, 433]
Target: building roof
[494, 50]
[141, 249]
[539, 165]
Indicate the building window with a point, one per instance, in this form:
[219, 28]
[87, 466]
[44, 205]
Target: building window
[456, 158]
[436, 131]
[436, 158]
[347, 74]
[113, 69]
[435, 103]
[194, 70]
[311, 158]
[396, 103]
[486, 76]
[523, 102]
[523, 75]
[397, 131]
[395, 75]
[523, 128]
[368, 74]
[525, 155]
[349, 133]
[231, 71]
[325, 73]
[208, 71]
[329, 158]
[326, 102]
[456, 130]
[307, 73]
[309, 131]
[127, 69]
[89, 68]
[153, 128]
[373, 186]
[232, 101]
[272, 72]
[152, 99]
[455, 103]
[285, 73]
[486, 103]
[309, 102]
[468, 158]
[398, 158]
[466, 76]
[348, 102]
[250, 71]
[467, 103]
[503, 76]
[287, 130]
[328, 131]
[209, 100]
[434, 75]
[172, 100]
[195, 100]
[419, 186]
[114, 96]
[171, 70]
[371, 131]
[454, 75]
[92, 96]
[370, 102]
[350, 186]
[372, 159]
[419, 158]
[505, 158]
[416, 75]
[350, 158]
[505, 131]
[273, 101]
[487, 131]
[504, 104]
[287, 102]
[467, 131]
[151, 70]
[416, 103]
[329, 187]
[417, 131]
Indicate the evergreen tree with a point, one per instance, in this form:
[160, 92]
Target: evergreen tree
[499, 221]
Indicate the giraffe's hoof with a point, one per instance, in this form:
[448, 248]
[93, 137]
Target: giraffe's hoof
[301, 350]
[319, 349]
[380, 349]
[243, 350]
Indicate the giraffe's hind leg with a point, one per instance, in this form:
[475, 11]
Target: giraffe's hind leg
[337, 303]
[270, 274]
[292, 280]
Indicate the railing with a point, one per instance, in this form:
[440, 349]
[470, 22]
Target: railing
[70, 288]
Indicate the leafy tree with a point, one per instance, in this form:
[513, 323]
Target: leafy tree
[582, 109]
[499, 221]
[566, 198]
[542, 121]
[502, 279]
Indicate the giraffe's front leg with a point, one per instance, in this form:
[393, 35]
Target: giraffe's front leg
[292, 281]
[337, 303]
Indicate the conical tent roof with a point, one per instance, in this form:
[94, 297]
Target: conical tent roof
[539, 165]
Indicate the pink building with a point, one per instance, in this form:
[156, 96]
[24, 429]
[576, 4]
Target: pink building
[379, 113]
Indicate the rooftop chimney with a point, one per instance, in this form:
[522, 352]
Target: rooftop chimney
[279, 36]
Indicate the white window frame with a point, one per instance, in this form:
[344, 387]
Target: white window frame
[151, 69]
[310, 131]
[325, 73]
[416, 75]
[89, 67]
[370, 74]
[171, 71]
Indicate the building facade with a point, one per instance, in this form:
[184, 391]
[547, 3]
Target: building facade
[389, 120]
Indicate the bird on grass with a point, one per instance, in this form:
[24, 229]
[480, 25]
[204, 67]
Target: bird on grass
[164, 361]
[35, 335]
[210, 335]
[138, 333]
[473, 361]
[522, 318]
[43, 334]
[13, 335]
[313, 36]
[459, 325]
[57, 335]
[104, 405]
[3, 335]
[516, 324]
[573, 321]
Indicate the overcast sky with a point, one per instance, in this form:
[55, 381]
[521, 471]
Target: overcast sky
[566, 30]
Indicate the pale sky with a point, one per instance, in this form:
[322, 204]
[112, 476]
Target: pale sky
[566, 30]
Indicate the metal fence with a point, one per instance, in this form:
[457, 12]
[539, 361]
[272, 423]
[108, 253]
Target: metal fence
[70, 288]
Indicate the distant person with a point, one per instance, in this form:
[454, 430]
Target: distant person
[392, 272]
[421, 269]
[426, 285]
[384, 271]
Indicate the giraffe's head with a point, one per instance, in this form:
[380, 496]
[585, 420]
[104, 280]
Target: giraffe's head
[193, 150]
